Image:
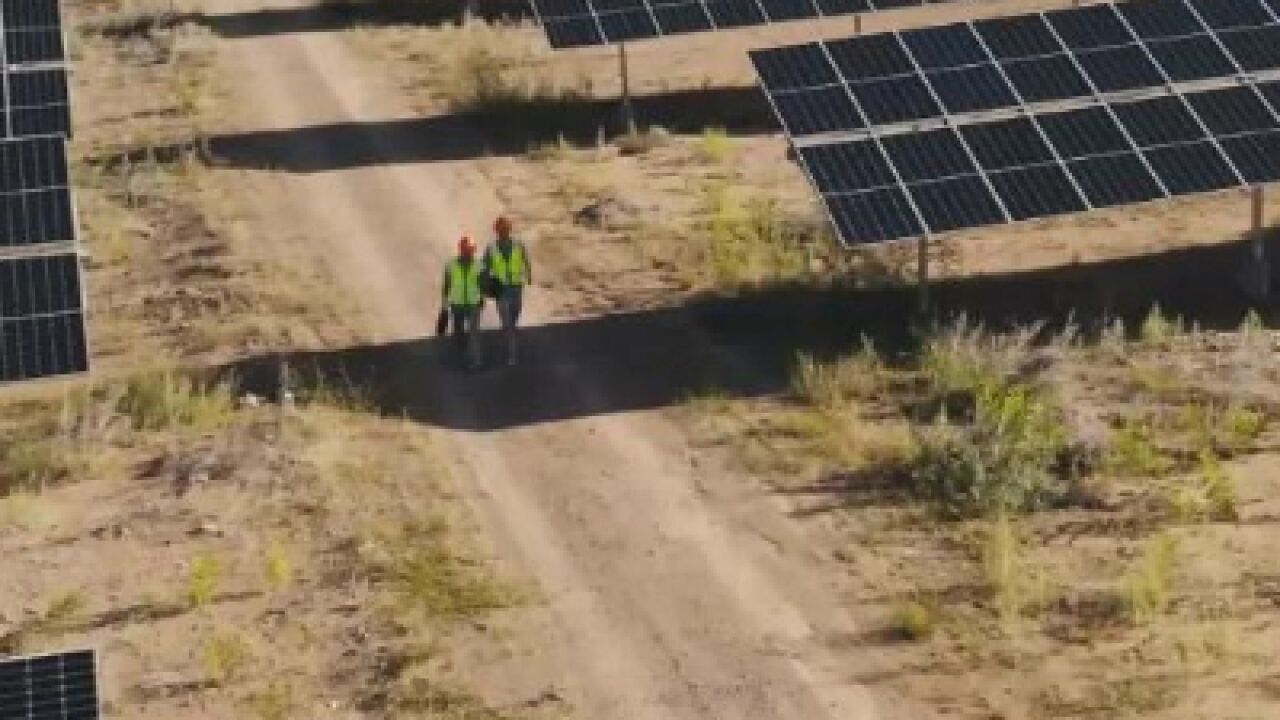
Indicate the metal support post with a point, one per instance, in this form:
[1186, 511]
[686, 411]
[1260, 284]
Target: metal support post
[922, 276]
[1257, 246]
[628, 115]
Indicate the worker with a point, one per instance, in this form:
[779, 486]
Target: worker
[509, 270]
[462, 294]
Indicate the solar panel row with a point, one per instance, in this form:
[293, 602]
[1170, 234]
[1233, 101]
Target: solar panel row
[577, 23]
[35, 200]
[1044, 164]
[41, 319]
[986, 65]
[52, 687]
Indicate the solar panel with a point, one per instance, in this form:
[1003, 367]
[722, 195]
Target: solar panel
[1067, 55]
[38, 103]
[32, 31]
[42, 331]
[49, 687]
[35, 200]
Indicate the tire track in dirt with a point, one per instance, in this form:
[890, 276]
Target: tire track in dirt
[658, 607]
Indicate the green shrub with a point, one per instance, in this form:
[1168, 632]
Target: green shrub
[1002, 461]
[1148, 588]
[1131, 452]
[913, 621]
[225, 656]
[715, 145]
[1156, 328]
[202, 580]
[165, 399]
[31, 464]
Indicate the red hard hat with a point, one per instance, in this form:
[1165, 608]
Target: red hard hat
[465, 246]
[502, 225]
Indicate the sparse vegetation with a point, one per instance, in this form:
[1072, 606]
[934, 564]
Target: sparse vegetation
[225, 656]
[749, 240]
[1149, 587]
[715, 145]
[169, 399]
[275, 701]
[203, 577]
[1132, 452]
[277, 569]
[913, 621]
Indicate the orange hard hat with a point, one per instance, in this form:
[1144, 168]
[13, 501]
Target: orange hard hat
[465, 246]
[502, 225]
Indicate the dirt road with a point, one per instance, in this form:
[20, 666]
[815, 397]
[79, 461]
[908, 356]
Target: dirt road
[663, 600]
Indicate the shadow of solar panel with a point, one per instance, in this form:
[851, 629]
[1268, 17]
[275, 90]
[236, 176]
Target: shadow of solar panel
[682, 18]
[572, 32]
[797, 66]
[1192, 58]
[893, 100]
[946, 46]
[1191, 168]
[1047, 79]
[1034, 192]
[41, 323]
[873, 56]
[956, 203]
[1159, 121]
[1018, 37]
[735, 13]
[1256, 49]
[806, 112]
[930, 155]
[872, 217]
[1079, 133]
[781, 10]
[1006, 144]
[1256, 156]
[1232, 110]
[843, 7]
[1089, 28]
[847, 167]
[972, 89]
[1159, 18]
[627, 25]
[1119, 69]
[1221, 15]
[1110, 180]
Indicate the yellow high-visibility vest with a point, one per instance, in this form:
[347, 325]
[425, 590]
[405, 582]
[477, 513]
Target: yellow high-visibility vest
[509, 272]
[464, 283]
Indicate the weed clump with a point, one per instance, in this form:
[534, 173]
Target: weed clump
[225, 656]
[1003, 461]
[202, 580]
[1132, 452]
[714, 145]
[913, 621]
[166, 399]
[1148, 588]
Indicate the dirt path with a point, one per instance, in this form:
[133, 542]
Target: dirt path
[662, 601]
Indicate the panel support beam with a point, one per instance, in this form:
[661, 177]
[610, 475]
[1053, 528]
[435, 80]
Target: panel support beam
[1259, 269]
[628, 116]
[922, 277]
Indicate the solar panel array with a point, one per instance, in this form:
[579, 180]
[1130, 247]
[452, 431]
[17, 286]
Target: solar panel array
[42, 329]
[578, 23]
[49, 687]
[970, 124]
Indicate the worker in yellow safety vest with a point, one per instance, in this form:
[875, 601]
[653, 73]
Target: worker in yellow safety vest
[508, 270]
[463, 294]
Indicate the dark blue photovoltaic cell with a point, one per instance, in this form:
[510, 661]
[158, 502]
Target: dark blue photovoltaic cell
[735, 13]
[1117, 69]
[1111, 180]
[1079, 133]
[682, 18]
[805, 112]
[1192, 58]
[1257, 49]
[1089, 27]
[41, 335]
[1256, 156]
[873, 56]
[608, 6]
[1232, 110]
[796, 66]
[572, 32]
[1159, 18]
[561, 8]
[895, 100]
[947, 46]
[39, 102]
[1018, 37]
[35, 203]
[628, 25]
[956, 203]
[1045, 79]
[780, 10]
[1193, 168]
[1225, 14]
[843, 7]
[873, 216]
[928, 155]
[1158, 122]
[33, 31]
[847, 167]
[972, 89]
[1036, 192]
[1006, 143]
